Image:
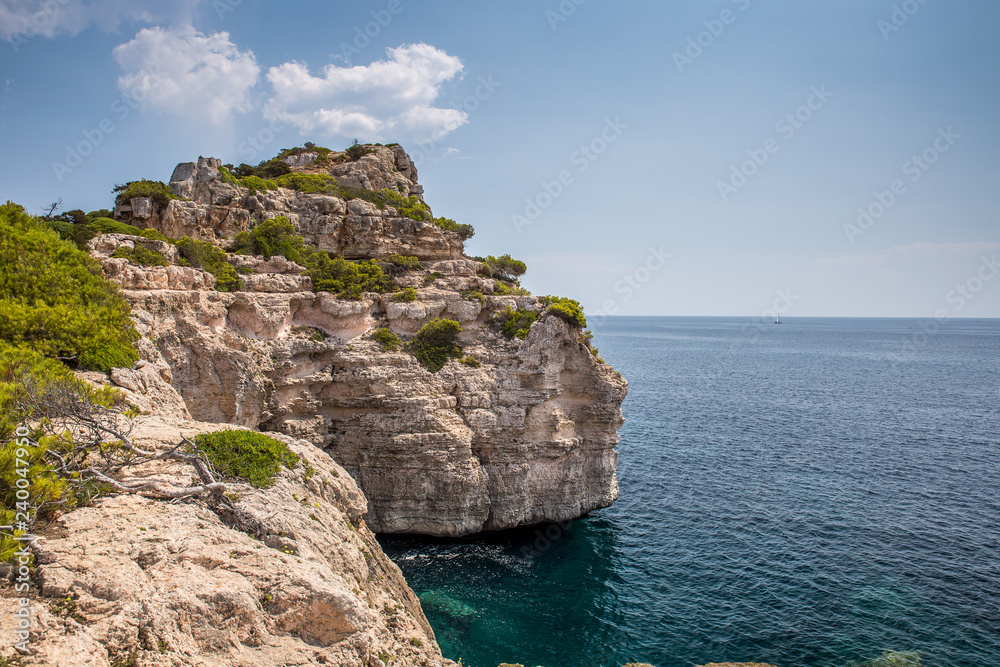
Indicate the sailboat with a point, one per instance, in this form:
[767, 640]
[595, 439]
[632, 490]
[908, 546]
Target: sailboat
[778, 321]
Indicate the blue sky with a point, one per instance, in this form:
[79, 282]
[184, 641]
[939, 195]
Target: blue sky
[647, 158]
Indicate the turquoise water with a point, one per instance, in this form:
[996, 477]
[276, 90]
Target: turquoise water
[815, 493]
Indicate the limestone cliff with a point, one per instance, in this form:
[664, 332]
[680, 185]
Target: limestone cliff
[526, 437]
[291, 576]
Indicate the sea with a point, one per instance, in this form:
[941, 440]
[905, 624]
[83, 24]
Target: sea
[820, 492]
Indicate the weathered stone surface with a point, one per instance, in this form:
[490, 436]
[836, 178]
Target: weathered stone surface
[528, 437]
[132, 277]
[290, 576]
[213, 210]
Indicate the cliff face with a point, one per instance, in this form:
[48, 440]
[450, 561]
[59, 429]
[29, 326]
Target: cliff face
[526, 437]
[292, 576]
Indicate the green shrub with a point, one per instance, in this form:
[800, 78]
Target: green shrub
[402, 262]
[408, 207]
[474, 296]
[100, 213]
[470, 361]
[209, 257]
[247, 455]
[319, 184]
[158, 191]
[567, 309]
[586, 338]
[141, 256]
[407, 295]
[109, 226]
[358, 151]
[515, 323]
[505, 289]
[157, 235]
[504, 268]
[270, 238]
[436, 343]
[464, 231]
[256, 183]
[431, 277]
[349, 280]
[54, 298]
[25, 372]
[65, 230]
[388, 341]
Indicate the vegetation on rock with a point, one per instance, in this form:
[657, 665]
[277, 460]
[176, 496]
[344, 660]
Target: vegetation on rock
[466, 232]
[347, 279]
[408, 295]
[504, 268]
[54, 298]
[247, 455]
[209, 257]
[158, 191]
[387, 341]
[568, 310]
[436, 343]
[516, 323]
[141, 256]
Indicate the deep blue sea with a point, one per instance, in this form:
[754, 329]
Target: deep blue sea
[819, 492]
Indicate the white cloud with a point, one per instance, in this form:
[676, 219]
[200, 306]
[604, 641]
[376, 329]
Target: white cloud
[184, 72]
[27, 18]
[389, 99]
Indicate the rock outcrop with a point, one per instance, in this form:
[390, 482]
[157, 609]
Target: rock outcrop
[211, 209]
[290, 576]
[524, 433]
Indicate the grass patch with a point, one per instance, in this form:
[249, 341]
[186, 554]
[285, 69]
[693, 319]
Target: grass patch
[247, 455]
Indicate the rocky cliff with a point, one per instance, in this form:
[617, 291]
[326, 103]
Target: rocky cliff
[289, 575]
[523, 434]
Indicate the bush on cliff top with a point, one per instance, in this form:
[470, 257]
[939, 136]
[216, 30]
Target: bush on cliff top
[55, 300]
[247, 455]
[569, 310]
[436, 343]
[466, 232]
[158, 191]
[504, 268]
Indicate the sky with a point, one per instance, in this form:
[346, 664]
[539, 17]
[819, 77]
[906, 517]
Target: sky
[724, 157]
